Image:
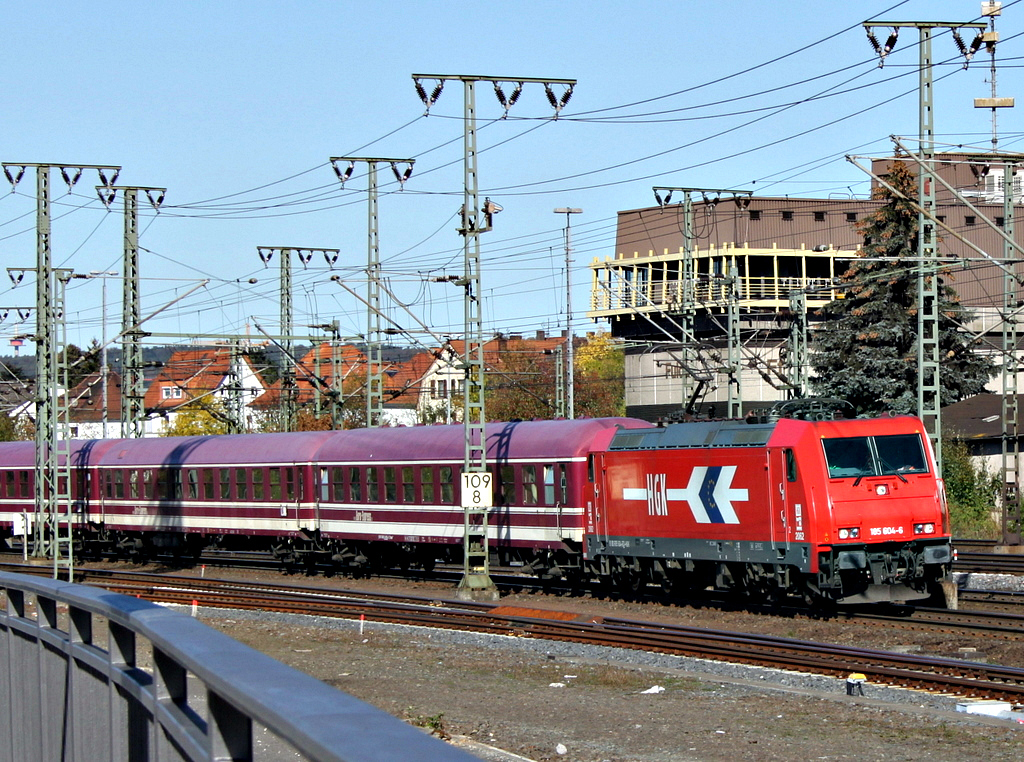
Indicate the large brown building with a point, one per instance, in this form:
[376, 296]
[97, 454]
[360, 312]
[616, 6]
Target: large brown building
[775, 246]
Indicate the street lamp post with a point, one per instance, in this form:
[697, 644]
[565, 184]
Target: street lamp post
[570, 406]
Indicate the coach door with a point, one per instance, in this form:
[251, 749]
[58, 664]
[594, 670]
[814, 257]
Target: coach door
[781, 476]
[597, 508]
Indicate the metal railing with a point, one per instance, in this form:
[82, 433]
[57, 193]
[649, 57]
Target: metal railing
[63, 696]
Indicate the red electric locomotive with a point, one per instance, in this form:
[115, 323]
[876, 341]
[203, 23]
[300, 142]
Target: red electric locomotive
[848, 510]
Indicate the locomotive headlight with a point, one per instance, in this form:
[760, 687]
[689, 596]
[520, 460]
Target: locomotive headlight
[881, 489]
[849, 533]
[928, 528]
[844, 534]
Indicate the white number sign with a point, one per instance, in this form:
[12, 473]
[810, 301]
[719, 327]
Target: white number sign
[476, 490]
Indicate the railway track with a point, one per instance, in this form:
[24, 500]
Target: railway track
[989, 563]
[954, 677]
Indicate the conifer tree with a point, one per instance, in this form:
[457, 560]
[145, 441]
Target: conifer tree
[866, 349]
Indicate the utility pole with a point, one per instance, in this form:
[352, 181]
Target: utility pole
[288, 403]
[477, 487]
[1010, 455]
[798, 360]
[570, 402]
[133, 383]
[687, 311]
[929, 387]
[989, 38]
[53, 526]
[374, 356]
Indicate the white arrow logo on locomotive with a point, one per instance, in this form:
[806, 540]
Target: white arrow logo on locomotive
[709, 494]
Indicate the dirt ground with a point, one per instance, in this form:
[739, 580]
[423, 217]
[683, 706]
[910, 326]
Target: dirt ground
[594, 710]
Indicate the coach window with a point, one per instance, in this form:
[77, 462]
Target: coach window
[257, 484]
[507, 485]
[355, 485]
[193, 484]
[133, 484]
[208, 493]
[225, 483]
[372, 489]
[549, 485]
[241, 484]
[6, 485]
[563, 485]
[147, 483]
[161, 484]
[447, 490]
[529, 485]
[337, 484]
[790, 466]
[289, 483]
[275, 483]
[390, 489]
[408, 485]
[427, 494]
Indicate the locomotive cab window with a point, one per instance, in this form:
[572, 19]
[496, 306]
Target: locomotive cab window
[855, 457]
[790, 466]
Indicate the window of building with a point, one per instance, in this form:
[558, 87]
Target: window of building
[851, 216]
[171, 392]
[1000, 221]
[940, 217]
[969, 219]
[819, 216]
[787, 216]
[755, 214]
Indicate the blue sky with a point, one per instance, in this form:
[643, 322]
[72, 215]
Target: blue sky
[236, 108]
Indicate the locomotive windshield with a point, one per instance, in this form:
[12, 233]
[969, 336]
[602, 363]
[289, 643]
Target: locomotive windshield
[874, 456]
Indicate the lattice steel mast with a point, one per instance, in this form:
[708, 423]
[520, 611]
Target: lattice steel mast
[477, 219]
[374, 356]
